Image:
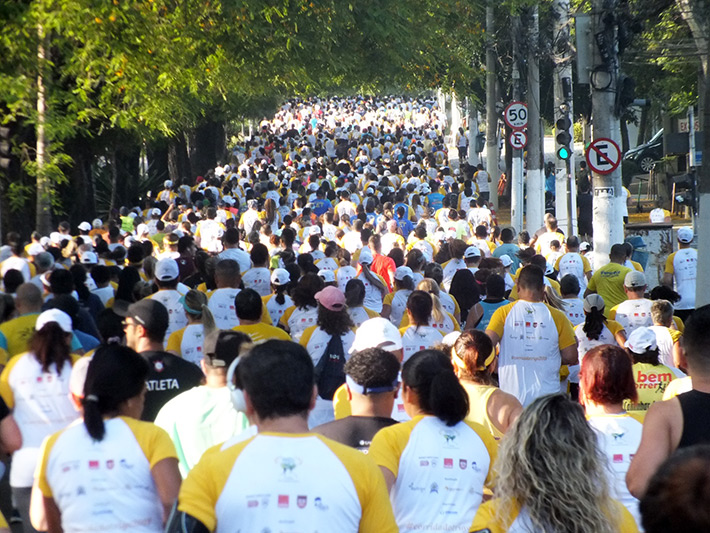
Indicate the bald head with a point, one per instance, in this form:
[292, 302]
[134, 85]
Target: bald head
[28, 298]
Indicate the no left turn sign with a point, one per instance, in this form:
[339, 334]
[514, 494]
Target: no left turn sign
[518, 139]
[603, 156]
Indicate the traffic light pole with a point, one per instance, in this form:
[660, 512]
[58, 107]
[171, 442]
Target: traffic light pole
[607, 215]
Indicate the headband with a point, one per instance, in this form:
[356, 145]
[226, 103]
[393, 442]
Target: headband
[462, 364]
[360, 389]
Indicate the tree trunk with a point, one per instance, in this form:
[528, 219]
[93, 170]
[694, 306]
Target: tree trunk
[535, 181]
[492, 155]
[113, 165]
[203, 145]
[43, 221]
[179, 160]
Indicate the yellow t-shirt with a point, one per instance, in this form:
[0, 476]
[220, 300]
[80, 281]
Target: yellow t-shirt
[651, 383]
[608, 282]
[15, 333]
[262, 332]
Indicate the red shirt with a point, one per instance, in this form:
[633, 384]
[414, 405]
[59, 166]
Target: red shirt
[384, 266]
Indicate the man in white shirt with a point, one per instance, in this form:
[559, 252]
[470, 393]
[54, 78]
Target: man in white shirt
[682, 268]
[232, 250]
[636, 311]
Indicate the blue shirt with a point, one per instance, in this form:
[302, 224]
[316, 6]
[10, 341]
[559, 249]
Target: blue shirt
[320, 206]
[436, 200]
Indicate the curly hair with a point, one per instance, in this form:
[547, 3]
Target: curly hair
[334, 322]
[551, 465]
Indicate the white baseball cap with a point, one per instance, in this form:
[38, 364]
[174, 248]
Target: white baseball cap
[85, 226]
[280, 276]
[506, 260]
[473, 251]
[327, 276]
[377, 333]
[402, 272]
[641, 340]
[365, 257]
[89, 258]
[155, 211]
[685, 235]
[54, 315]
[168, 183]
[166, 269]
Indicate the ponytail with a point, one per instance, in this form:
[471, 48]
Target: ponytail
[279, 295]
[49, 345]
[116, 373]
[431, 375]
[594, 323]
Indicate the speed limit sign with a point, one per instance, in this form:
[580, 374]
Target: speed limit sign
[518, 139]
[516, 115]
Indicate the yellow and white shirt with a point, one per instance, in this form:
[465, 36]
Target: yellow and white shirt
[221, 303]
[632, 314]
[343, 275]
[450, 268]
[170, 298]
[440, 471]
[398, 304]
[275, 309]
[187, 343]
[287, 482]
[575, 264]
[361, 314]
[262, 332]
[531, 337]
[415, 339]
[259, 279]
[41, 406]
[619, 437]
[106, 485]
[299, 319]
[665, 339]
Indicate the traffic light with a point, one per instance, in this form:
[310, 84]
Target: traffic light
[564, 138]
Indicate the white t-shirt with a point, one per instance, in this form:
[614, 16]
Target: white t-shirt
[300, 320]
[170, 298]
[221, 303]
[238, 255]
[619, 438]
[275, 309]
[632, 314]
[259, 279]
[343, 275]
[572, 263]
[574, 309]
[450, 268]
[41, 406]
[415, 339]
[685, 271]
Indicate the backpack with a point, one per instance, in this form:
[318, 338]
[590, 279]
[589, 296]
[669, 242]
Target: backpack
[330, 370]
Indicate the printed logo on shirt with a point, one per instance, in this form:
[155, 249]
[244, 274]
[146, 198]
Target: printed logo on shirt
[93, 465]
[318, 504]
[448, 462]
[110, 464]
[618, 458]
[463, 463]
[283, 501]
[288, 465]
[434, 489]
[252, 504]
[301, 501]
[450, 437]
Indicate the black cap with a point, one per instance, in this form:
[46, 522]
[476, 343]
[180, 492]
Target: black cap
[221, 347]
[150, 314]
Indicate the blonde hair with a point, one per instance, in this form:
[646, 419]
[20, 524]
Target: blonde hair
[430, 286]
[550, 465]
[551, 298]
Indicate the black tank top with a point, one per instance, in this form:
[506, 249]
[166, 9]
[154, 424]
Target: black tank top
[696, 418]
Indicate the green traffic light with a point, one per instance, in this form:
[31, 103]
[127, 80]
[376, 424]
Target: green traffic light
[564, 153]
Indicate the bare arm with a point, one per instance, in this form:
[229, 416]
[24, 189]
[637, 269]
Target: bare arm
[620, 337]
[10, 435]
[661, 434]
[54, 516]
[386, 310]
[389, 478]
[495, 339]
[167, 481]
[667, 279]
[679, 356]
[503, 409]
[569, 355]
[474, 316]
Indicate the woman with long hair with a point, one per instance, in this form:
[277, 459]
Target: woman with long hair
[440, 318]
[466, 293]
[35, 386]
[270, 216]
[606, 380]
[355, 298]
[595, 331]
[437, 462]
[328, 341]
[187, 342]
[395, 303]
[278, 301]
[304, 311]
[416, 261]
[132, 463]
[474, 359]
[419, 334]
[551, 476]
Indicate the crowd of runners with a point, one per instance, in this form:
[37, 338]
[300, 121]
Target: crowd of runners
[332, 332]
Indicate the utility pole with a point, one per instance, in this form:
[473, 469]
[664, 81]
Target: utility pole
[535, 182]
[492, 152]
[517, 196]
[472, 112]
[565, 183]
[607, 217]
